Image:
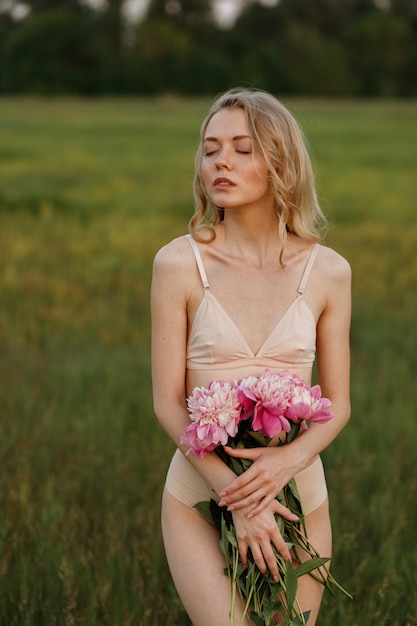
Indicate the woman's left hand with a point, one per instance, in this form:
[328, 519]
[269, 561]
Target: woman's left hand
[270, 471]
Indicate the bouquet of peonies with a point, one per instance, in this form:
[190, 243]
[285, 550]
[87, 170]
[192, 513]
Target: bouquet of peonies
[247, 414]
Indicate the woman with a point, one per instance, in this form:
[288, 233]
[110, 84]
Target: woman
[250, 289]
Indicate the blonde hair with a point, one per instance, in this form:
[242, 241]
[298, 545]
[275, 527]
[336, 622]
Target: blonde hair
[278, 137]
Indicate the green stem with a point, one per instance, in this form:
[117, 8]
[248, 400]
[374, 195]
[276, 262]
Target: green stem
[245, 610]
[234, 585]
[326, 580]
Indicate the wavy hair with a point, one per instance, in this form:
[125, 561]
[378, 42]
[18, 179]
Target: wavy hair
[278, 137]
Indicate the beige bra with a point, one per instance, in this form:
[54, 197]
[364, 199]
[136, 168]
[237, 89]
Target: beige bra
[216, 343]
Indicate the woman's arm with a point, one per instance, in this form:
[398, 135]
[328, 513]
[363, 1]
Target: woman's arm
[275, 466]
[170, 296]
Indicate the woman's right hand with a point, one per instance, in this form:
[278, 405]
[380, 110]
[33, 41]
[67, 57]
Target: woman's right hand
[258, 533]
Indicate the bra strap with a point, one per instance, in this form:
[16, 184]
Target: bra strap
[199, 262]
[308, 268]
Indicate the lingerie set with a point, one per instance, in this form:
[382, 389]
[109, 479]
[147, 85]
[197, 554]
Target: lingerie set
[217, 350]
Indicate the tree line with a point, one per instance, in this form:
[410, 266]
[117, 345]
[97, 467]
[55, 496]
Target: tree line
[365, 48]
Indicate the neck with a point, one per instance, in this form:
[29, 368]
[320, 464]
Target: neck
[255, 240]
[253, 222]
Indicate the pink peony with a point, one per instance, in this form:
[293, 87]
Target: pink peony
[307, 404]
[319, 406]
[269, 403]
[215, 415]
[267, 398]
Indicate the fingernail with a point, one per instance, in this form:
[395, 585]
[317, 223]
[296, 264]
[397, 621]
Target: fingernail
[222, 503]
[276, 579]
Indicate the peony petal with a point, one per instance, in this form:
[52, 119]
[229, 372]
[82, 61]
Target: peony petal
[299, 410]
[266, 422]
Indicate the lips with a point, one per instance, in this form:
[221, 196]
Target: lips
[223, 183]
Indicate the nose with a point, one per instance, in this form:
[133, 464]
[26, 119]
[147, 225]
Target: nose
[223, 159]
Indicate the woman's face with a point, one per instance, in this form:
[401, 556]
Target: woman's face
[234, 174]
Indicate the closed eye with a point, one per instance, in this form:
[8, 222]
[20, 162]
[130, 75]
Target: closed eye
[208, 153]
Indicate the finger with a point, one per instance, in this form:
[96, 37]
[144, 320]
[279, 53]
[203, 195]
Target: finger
[240, 494]
[281, 546]
[243, 553]
[245, 492]
[241, 486]
[258, 557]
[271, 561]
[282, 510]
[244, 453]
[262, 504]
[266, 559]
[244, 502]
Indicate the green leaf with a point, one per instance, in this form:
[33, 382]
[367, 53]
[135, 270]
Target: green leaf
[216, 513]
[237, 465]
[291, 499]
[294, 541]
[310, 565]
[281, 498]
[291, 580]
[293, 490]
[294, 430]
[223, 547]
[204, 509]
[256, 619]
[269, 610]
[299, 620]
[231, 537]
[228, 535]
[260, 439]
[246, 463]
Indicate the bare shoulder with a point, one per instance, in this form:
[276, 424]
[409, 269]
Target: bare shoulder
[333, 267]
[174, 257]
[176, 284]
[334, 279]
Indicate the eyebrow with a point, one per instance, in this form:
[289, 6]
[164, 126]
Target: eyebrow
[236, 138]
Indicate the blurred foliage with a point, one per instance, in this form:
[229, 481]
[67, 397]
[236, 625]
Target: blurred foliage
[329, 47]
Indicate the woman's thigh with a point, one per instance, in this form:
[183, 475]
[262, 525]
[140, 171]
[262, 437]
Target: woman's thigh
[197, 564]
[319, 533]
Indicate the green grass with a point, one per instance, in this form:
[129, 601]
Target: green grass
[89, 190]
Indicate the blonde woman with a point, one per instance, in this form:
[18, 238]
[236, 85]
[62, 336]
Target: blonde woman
[249, 289]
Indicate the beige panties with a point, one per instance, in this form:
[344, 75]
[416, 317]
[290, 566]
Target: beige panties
[187, 485]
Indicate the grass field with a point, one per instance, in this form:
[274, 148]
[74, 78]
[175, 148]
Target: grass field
[89, 190]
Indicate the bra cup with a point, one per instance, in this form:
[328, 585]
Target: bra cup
[293, 340]
[215, 338]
